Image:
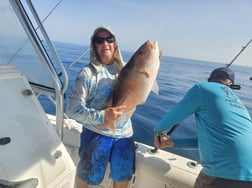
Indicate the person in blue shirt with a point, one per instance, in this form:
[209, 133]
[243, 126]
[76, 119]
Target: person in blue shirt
[224, 131]
[89, 104]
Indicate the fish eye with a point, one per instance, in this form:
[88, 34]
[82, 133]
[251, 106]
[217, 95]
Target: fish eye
[140, 53]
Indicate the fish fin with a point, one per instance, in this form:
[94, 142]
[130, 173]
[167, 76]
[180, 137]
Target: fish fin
[155, 88]
[147, 74]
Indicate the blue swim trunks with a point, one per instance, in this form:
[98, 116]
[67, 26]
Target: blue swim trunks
[97, 150]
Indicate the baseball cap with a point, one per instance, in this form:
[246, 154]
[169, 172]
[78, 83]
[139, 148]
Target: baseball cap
[222, 72]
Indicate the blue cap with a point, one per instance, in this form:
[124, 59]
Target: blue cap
[223, 72]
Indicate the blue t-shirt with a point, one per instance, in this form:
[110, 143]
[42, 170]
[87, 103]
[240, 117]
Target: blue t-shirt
[224, 129]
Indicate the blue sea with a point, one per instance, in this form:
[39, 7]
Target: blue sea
[175, 77]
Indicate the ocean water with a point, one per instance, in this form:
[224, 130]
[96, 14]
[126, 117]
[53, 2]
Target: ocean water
[175, 77]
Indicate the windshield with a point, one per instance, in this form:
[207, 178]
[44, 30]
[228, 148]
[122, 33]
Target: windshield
[16, 48]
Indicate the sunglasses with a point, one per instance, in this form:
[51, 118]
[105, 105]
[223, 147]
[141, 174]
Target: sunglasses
[101, 40]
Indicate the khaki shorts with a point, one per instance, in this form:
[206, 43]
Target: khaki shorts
[205, 181]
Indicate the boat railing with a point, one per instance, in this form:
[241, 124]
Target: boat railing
[83, 53]
[59, 88]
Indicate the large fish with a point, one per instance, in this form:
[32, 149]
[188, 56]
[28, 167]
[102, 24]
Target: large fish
[137, 78]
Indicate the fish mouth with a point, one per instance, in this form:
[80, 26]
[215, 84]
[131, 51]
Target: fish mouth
[153, 46]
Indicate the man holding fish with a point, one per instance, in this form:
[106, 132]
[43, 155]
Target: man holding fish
[88, 104]
[104, 106]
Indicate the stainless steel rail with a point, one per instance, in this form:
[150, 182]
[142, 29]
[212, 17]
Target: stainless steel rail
[36, 42]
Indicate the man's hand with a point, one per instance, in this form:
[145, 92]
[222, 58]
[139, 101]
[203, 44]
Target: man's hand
[162, 141]
[111, 114]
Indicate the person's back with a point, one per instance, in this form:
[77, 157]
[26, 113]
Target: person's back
[224, 130]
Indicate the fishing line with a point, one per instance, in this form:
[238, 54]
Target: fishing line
[84, 52]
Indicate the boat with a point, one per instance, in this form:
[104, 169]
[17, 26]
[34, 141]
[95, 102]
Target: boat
[38, 149]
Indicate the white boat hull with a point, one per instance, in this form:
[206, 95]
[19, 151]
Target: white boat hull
[34, 149]
[153, 170]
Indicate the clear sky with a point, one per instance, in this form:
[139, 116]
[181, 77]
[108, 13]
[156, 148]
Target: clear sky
[211, 30]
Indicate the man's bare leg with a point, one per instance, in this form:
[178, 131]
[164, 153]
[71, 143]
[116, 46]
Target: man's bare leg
[121, 184]
[80, 184]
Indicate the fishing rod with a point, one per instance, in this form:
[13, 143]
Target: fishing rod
[243, 48]
[154, 150]
[238, 87]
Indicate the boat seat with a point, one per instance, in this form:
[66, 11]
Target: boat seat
[29, 183]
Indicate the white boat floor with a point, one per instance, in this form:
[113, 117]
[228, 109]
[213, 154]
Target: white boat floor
[161, 169]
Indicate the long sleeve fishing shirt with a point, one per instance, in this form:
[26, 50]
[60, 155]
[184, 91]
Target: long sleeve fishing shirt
[224, 129]
[89, 97]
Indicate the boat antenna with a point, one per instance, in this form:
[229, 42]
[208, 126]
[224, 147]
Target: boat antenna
[243, 48]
